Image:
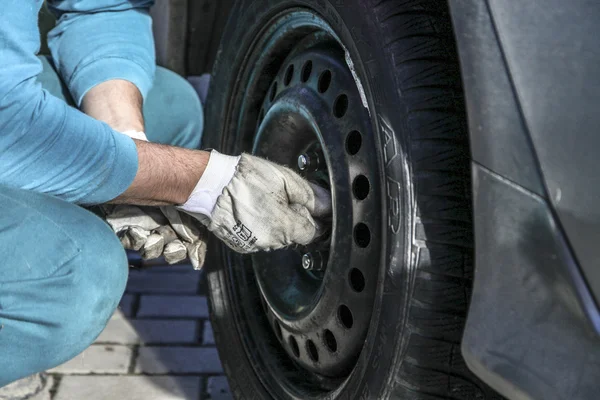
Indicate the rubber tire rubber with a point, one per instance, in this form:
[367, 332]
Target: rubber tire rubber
[405, 53]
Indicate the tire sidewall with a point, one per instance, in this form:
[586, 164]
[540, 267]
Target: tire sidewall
[356, 24]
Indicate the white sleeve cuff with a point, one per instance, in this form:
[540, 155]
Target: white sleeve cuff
[136, 135]
[217, 175]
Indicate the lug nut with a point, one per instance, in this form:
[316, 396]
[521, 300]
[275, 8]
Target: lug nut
[307, 261]
[314, 261]
[309, 162]
[303, 162]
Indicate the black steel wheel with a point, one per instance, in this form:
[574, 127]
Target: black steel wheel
[328, 288]
[366, 101]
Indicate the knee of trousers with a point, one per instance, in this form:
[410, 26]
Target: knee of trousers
[87, 291]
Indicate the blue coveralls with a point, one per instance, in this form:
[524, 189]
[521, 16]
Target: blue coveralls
[62, 270]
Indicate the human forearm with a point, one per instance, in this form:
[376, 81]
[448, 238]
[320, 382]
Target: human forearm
[166, 175]
[116, 102]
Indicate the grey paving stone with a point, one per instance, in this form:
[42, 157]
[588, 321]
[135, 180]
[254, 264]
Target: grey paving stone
[150, 282]
[35, 387]
[218, 388]
[121, 330]
[173, 306]
[208, 337]
[129, 388]
[178, 360]
[99, 359]
[126, 305]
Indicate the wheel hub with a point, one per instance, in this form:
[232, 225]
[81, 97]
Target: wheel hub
[319, 298]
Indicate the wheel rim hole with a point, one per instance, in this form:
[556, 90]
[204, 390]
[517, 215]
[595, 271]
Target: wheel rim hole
[289, 75]
[278, 331]
[261, 116]
[324, 81]
[357, 280]
[345, 316]
[312, 351]
[273, 92]
[340, 107]
[361, 187]
[306, 71]
[294, 346]
[353, 142]
[362, 235]
[330, 341]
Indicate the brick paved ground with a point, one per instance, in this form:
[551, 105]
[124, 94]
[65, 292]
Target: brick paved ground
[158, 346]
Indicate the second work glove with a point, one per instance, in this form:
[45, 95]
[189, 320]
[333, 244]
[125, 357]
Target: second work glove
[156, 232]
[253, 204]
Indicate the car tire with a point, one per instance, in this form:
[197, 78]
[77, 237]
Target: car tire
[404, 58]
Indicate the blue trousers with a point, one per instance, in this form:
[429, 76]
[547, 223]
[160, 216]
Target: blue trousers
[63, 270]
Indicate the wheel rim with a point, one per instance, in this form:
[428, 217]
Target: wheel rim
[312, 110]
[312, 106]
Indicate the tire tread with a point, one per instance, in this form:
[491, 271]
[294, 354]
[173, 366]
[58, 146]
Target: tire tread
[419, 40]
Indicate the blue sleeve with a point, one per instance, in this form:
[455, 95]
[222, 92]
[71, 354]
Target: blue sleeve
[47, 146]
[98, 40]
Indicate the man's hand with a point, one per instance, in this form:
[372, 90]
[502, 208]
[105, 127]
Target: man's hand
[249, 203]
[264, 206]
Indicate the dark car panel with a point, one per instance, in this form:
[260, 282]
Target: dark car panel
[527, 334]
[552, 52]
[491, 102]
[532, 89]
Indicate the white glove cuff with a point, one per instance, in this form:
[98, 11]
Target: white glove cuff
[218, 173]
[136, 135]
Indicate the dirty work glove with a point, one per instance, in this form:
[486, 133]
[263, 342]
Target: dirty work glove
[156, 232]
[253, 204]
[190, 233]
